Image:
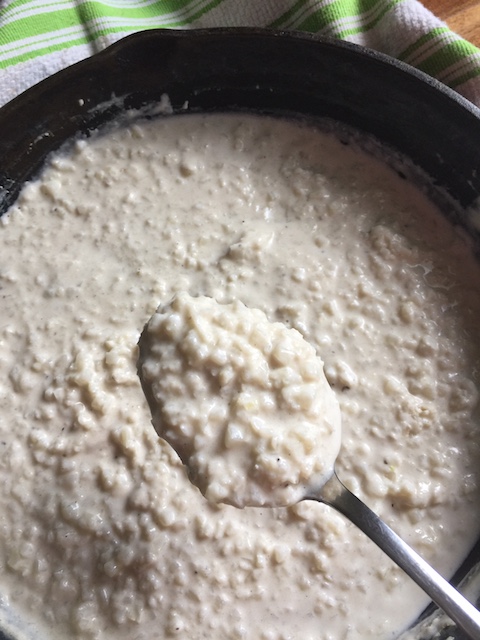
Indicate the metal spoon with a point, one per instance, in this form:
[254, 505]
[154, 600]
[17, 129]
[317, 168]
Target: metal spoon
[336, 495]
[152, 345]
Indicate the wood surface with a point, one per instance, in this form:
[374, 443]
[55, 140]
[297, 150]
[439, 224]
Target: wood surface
[462, 16]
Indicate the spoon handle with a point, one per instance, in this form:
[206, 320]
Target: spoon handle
[336, 495]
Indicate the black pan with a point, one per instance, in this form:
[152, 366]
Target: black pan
[261, 71]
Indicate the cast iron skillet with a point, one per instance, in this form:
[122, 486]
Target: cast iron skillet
[253, 70]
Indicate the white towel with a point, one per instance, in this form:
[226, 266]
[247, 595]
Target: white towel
[39, 38]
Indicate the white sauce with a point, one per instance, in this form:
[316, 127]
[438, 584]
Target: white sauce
[101, 533]
[242, 400]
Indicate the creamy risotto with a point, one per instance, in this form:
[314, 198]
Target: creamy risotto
[242, 400]
[101, 533]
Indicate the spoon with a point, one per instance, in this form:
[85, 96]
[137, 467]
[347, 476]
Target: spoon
[198, 339]
[334, 494]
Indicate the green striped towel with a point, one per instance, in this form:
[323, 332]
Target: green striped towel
[39, 37]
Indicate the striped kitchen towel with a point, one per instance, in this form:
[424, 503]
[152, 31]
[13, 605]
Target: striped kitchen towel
[40, 37]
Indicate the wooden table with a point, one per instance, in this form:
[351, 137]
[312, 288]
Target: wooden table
[462, 16]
